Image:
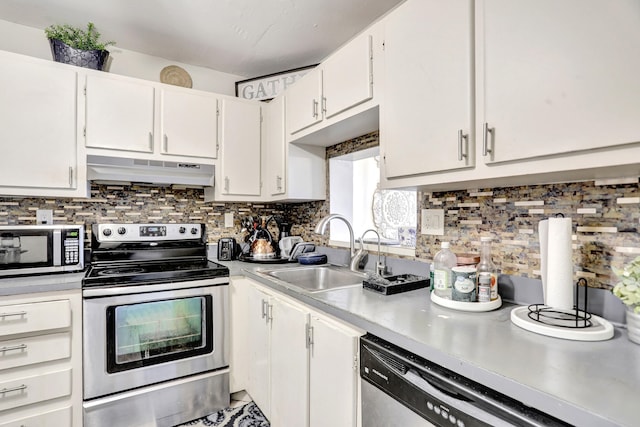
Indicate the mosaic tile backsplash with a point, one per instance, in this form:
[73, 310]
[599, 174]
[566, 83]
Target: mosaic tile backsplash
[605, 216]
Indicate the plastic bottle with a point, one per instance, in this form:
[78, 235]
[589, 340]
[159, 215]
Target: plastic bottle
[431, 269]
[442, 264]
[486, 273]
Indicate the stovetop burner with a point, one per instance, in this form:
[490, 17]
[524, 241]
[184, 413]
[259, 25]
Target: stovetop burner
[118, 271]
[153, 272]
[135, 254]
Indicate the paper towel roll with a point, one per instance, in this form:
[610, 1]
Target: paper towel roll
[556, 262]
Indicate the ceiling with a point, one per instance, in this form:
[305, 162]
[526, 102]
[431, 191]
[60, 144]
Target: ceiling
[248, 38]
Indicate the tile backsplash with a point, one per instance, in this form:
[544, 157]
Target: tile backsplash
[605, 221]
[605, 216]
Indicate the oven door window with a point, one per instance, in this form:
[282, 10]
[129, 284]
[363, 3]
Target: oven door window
[155, 332]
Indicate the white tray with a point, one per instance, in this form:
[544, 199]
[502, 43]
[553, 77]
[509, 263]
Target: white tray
[467, 306]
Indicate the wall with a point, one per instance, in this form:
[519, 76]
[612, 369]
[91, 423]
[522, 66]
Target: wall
[32, 42]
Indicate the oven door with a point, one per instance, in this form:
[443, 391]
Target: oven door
[141, 335]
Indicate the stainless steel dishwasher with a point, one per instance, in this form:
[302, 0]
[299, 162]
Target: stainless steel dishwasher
[402, 389]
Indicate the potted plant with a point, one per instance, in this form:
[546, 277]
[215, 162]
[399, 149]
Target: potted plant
[628, 290]
[73, 45]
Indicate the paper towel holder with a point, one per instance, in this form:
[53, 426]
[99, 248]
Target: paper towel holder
[576, 324]
[576, 318]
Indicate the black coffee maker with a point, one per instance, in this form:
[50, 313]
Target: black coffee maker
[284, 227]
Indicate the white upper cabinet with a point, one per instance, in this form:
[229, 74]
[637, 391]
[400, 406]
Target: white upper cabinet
[188, 123]
[291, 172]
[274, 143]
[304, 106]
[334, 102]
[555, 93]
[347, 77]
[557, 77]
[427, 112]
[40, 154]
[240, 142]
[127, 117]
[119, 114]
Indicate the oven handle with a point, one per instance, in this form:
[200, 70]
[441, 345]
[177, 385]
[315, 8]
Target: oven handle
[93, 292]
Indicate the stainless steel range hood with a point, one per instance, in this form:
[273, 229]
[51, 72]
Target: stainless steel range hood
[105, 169]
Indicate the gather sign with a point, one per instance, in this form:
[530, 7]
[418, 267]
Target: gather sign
[269, 86]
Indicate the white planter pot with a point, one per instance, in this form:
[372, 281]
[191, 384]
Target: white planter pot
[633, 326]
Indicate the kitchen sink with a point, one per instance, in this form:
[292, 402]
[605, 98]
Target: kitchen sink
[317, 278]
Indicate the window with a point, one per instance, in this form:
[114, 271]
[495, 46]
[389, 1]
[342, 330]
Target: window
[354, 192]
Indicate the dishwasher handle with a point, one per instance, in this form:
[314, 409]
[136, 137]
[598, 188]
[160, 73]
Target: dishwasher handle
[457, 401]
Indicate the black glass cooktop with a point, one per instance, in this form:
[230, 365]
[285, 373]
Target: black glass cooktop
[148, 272]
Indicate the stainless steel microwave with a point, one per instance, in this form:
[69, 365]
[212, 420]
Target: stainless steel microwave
[38, 249]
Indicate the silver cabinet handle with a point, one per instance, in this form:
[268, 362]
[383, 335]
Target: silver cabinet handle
[150, 141]
[15, 313]
[166, 143]
[485, 139]
[314, 108]
[462, 148]
[226, 184]
[309, 336]
[279, 182]
[9, 390]
[71, 176]
[324, 104]
[264, 309]
[269, 313]
[13, 347]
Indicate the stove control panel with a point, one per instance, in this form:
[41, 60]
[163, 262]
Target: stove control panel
[142, 232]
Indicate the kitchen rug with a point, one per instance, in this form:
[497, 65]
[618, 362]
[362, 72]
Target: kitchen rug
[247, 415]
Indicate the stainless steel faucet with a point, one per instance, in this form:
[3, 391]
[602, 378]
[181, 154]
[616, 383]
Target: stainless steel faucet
[322, 226]
[380, 267]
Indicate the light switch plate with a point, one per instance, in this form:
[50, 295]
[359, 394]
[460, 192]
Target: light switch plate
[228, 220]
[44, 216]
[432, 222]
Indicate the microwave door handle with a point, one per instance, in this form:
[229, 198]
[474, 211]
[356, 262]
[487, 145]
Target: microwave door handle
[57, 247]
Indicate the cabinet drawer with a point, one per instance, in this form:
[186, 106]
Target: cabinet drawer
[38, 388]
[58, 418]
[34, 317]
[28, 351]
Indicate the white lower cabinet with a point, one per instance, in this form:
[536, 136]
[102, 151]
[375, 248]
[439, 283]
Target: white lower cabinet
[40, 360]
[55, 418]
[301, 365]
[333, 373]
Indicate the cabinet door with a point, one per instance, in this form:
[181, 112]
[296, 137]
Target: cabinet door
[304, 102]
[240, 136]
[427, 110]
[189, 124]
[557, 77]
[259, 326]
[38, 108]
[275, 147]
[333, 383]
[347, 77]
[239, 334]
[119, 114]
[289, 364]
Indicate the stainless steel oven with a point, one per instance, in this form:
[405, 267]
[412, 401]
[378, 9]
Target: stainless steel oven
[39, 249]
[155, 327]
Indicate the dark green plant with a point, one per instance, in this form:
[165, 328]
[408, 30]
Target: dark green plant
[77, 37]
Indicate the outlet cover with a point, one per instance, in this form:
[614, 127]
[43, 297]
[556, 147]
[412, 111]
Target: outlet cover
[432, 222]
[228, 220]
[44, 216]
